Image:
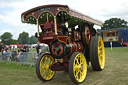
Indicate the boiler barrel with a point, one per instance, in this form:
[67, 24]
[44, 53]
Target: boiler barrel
[76, 47]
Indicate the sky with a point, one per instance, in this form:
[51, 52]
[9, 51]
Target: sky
[11, 10]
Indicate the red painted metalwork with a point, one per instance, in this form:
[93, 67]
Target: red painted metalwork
[63, 39]
[59, 66]
[76, 47]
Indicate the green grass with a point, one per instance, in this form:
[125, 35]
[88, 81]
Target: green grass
[11, 74]
[115, 72]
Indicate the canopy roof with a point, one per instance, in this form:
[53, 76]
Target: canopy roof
[37, 13]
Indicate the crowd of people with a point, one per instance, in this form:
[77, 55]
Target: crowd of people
[14, 54]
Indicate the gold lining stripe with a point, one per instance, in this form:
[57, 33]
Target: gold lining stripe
[44, 12]
[63, 41]
[61, 11]
[30, 16]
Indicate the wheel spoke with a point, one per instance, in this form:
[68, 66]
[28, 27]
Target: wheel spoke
[76, 75]
[49, 71]
[45, 75]
[100, 58]
[44, 72]
[42, 69]
[42, 62]
[100, 47]
[81, 74]
[50, 61]
[77, 62]
[81, 61]
[46, 58]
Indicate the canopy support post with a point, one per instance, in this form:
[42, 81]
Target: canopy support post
[37, 27]
[55, 25]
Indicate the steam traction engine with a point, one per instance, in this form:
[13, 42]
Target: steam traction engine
[72, 41]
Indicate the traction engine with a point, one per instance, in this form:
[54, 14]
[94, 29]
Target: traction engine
[72, 41]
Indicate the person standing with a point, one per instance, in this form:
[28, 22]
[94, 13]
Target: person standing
[25, 50]
[18, 56]
[38, 47]
[1, 47]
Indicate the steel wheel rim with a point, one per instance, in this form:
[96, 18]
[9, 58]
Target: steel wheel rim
[80, 67]
[45, 62]
[101, 53]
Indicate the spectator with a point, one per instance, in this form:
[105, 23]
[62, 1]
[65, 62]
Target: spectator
[10, 47]
[27, 48]
[13, 55]
[25, 51]
[13, 47]
[40, 51]
[3, 55]
[1, 47]
[38, 48]
[18, 57]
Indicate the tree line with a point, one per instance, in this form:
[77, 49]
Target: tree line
[113, 23]
[23, 38]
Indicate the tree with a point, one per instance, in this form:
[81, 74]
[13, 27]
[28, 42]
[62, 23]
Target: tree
[6, 38]
[115, 23]
[23, 38]
[0, 39]
[33, 40]
[98, 31]
[14, 41]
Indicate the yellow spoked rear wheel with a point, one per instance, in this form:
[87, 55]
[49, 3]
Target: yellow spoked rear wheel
[97, 53]
[101, 53]
[77, 67]
[42, 67]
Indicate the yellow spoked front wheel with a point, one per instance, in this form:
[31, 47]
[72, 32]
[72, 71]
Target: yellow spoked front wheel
[42, 67]
[77, 67]
[97, 53]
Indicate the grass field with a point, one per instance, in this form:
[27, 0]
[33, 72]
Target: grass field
[115, 72]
